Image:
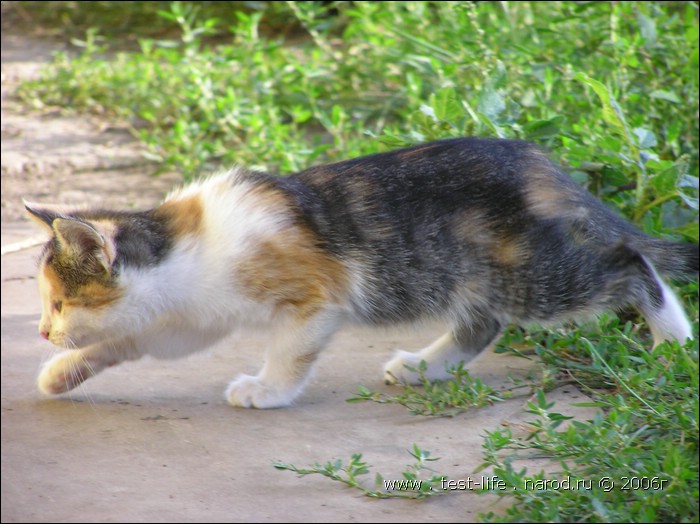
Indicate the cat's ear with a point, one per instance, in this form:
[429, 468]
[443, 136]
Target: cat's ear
[84, 243]
[44, 214]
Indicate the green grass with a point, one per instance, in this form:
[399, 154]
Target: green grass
[457, 395]
[413, 485]
[642, 446]
[611, 88]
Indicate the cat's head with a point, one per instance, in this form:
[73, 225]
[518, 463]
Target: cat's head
[77, 278]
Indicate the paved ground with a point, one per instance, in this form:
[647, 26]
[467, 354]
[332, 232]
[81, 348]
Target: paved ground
[154, 441]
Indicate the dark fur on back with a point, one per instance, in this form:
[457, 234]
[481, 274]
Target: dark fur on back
[470, 216]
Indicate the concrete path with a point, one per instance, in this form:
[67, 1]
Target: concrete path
[154, 441]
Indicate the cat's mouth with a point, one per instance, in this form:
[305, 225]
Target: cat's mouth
[67, 342]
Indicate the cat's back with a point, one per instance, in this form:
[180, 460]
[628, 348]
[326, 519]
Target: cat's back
[443, 166]
[489, 174]
[440, 187]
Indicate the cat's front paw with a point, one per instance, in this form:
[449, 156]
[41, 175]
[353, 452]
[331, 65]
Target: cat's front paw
[63, 372]
[250, 392]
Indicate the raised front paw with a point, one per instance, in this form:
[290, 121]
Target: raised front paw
[64, 372]
[250, 392]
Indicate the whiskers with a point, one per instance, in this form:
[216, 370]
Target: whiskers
[81, 371]
[69, 343]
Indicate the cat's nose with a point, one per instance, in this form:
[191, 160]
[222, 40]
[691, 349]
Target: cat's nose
[44, 335]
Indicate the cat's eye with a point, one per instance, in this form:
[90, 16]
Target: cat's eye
[57, 306]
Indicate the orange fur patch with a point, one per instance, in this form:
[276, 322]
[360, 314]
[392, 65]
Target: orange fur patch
[92, 295]
[508, 251]
[476, 229]
[292, 273]
[54, 282]
[548, 197]
[95, 295]
[545, 200]
[184, 216]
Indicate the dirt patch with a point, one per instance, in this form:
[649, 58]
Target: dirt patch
[51, 156]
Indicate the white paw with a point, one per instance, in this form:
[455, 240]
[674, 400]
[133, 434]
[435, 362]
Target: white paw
[396, 370]
[250, 392]
[63, 372]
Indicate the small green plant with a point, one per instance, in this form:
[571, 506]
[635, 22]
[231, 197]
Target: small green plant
[444, 399]
[410, 486]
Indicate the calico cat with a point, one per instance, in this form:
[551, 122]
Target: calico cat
[477, 232]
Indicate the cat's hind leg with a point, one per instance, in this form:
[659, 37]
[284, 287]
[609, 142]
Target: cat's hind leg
[462, 344]
[287, 367]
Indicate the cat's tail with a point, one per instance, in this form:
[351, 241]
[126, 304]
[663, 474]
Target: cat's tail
[673, 259]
